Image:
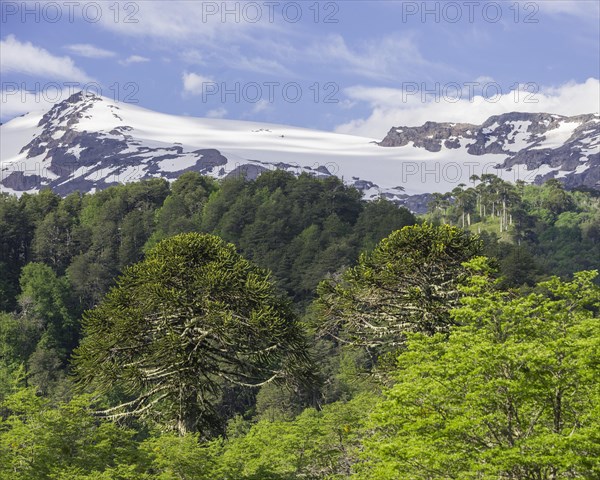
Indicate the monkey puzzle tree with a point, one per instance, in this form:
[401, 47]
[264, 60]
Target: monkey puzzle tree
[188, 320]
[408, 283]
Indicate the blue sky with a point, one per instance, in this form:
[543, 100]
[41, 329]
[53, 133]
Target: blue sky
[351, 66]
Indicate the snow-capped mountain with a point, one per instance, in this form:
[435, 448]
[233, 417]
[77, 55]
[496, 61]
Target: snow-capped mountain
[88, 143]
[567, 148]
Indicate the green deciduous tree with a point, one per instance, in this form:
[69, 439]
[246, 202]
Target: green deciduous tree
[512, 393]
[37, 441]
[194, 316]
[170, 456]
[315, 445]
[46, 297]
[47, 326]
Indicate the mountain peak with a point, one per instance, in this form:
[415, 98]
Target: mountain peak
[70, 110]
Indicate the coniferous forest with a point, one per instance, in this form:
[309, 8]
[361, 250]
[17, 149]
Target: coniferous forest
[284, 328]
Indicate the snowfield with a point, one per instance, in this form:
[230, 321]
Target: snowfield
[149, 135]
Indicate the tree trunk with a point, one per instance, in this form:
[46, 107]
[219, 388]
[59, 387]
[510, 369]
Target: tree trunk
[187, 416]
[557, 410]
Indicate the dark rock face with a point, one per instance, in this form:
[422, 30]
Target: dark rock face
[589, 178]
[416, 203]
[521, 138]
[429, 136]
[20, 181]
[363, 184]
[248, 171]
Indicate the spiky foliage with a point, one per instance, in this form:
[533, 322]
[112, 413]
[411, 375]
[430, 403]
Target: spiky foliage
[191, 318]
[407, 284]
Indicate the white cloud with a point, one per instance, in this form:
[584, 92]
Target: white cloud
[394, 107]
[89, 51]
[26, 58]
[231, 57]
[234, 59]
[134, 59]
[584, 9]
[261, 106]
[384, 58]
[195, 84]
[258, 65]
[194, 22]
[224, 38]
[263, 46]
[217, 113]
[193, 56]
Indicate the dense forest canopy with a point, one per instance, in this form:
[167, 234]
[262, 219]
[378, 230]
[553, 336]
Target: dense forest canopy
[284, 328]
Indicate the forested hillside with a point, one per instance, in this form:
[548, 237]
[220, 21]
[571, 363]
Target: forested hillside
[533, 231]
[284, 328]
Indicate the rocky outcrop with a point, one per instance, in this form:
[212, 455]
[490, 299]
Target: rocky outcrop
[431, 136]
[568, 145]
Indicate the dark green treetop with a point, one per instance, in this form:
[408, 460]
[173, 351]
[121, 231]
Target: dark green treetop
[191, 318]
